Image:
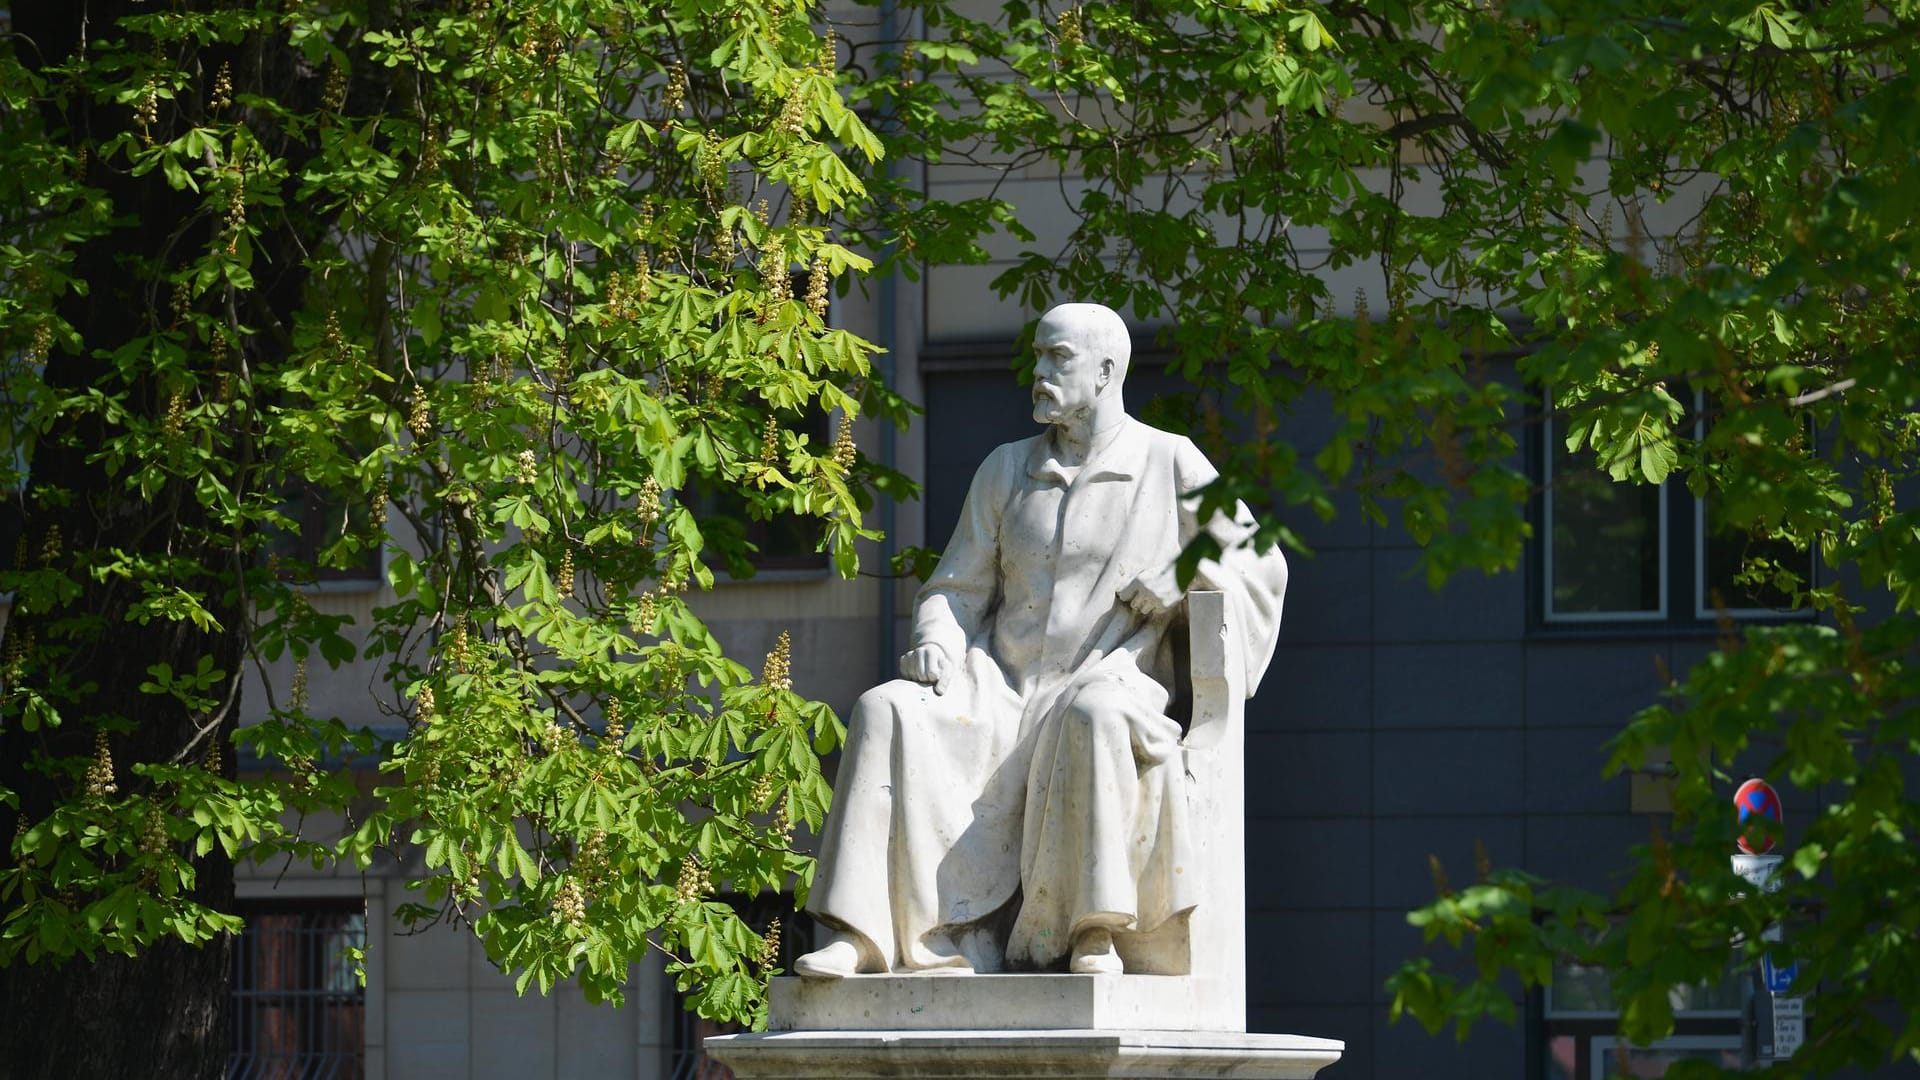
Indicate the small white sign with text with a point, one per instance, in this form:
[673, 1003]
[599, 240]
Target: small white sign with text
[1789, 1025]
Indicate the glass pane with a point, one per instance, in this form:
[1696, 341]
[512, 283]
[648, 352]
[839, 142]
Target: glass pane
[1727, 553]
[1638, 1062]
[1581, 989]
[1604, 539]
[315, 552]
[1724, 996]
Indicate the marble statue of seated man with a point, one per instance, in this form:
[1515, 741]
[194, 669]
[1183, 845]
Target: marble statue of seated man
[1018, 797]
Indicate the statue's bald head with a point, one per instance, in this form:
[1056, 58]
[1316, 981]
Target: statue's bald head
[1096, 327]
[1080, 354]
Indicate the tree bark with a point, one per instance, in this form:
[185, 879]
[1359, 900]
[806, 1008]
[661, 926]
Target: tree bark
[163, 1013]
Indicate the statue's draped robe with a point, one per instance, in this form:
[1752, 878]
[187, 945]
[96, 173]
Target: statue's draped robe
[1047, 769]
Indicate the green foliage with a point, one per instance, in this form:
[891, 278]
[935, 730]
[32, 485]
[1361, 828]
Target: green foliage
[498, 270]
[1688, 229]
[507, 276]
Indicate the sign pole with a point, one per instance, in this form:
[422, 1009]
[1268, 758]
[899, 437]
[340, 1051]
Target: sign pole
[1776, 1020]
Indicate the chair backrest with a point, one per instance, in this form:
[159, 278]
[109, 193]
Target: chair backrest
[1216, 767]
[1209, 948]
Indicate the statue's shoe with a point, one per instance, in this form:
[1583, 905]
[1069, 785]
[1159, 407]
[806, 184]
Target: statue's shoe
[1094, 954]
[837, 960]
[938, 954]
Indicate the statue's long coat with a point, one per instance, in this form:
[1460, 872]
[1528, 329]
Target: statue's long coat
[1047, 769]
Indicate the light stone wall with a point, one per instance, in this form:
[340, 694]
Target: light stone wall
[962, 306]
[437, 1008]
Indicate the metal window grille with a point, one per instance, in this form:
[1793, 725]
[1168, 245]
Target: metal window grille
[690, 1060]
[298, 1011]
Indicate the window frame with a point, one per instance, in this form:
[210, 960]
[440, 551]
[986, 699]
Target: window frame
[1733, 981]
[1702, 610]
[770, 564]
[1600, 1047]
[1682, 531]
[1545, 532]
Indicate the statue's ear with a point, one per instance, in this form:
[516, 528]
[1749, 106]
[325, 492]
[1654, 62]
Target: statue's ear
[1106, 372]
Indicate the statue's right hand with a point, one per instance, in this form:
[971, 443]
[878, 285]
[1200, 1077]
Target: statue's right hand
[928, 664]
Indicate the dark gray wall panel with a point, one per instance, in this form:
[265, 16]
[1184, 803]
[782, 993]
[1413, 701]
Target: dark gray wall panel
[1348, 528]
[1494, 1051]
[1329, 599]
[1586, 851]
[1447, 686]
[1309, 774]
[1401, 878]
[1584, 683]
[1422, 773]
[1323, 954]
[1565, 773]
[1472, 606]
[1309, 863]
[1314, 688]
[1682, 655]
[1308, 427]
[1395, 942]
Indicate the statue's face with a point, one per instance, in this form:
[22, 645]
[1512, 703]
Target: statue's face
[1067, 374]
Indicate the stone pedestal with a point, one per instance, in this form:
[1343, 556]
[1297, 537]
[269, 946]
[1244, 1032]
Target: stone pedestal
[1002, 1003]
[1010, 1027]
[1012, 1055]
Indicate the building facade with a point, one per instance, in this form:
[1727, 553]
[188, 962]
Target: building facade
[1400, 733]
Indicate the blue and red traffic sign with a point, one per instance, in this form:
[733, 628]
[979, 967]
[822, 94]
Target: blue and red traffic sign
[1757, 799]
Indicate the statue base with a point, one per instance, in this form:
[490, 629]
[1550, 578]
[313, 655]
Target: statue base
[1064, 1027]
[1058, 1055]
[1024, 1002]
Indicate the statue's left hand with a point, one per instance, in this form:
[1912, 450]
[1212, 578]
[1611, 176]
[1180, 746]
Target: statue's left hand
[1152, 594]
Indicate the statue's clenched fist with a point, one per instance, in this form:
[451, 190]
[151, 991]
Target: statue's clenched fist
[928, 664]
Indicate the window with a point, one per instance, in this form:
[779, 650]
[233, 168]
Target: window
[1720, 560]
[13, 524]
[297, 1010]
[1624, 553]
[330, 544]
[744, 539]
[1582, 1038]
[1611, 1057]
[1605, 544]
